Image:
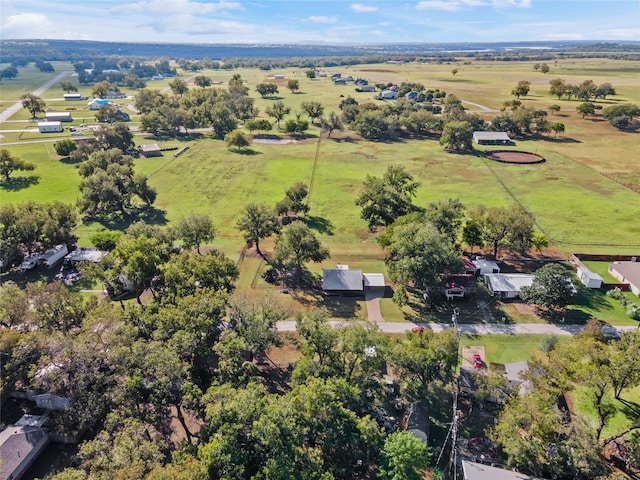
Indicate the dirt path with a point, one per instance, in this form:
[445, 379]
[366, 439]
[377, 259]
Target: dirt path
[372, 298]
[480, 108]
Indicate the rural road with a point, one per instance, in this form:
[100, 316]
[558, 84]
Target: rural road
[481, 108]
[476, 329]
[9, 112]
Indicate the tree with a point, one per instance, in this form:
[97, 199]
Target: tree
[9, 164]
[620, 116]
[505, 227]
[558, 87]
[255, 322]
[296, 126]
[293, 85]
[178, 86]
[522, 89]
[313, 109]
[117, 136]
[101, 89]
[331, 123]
[419, 255]
[604, 90]
[294, 200]
[553, 108]
[385, 199]
[455, 71]
[427, 358]
[297, 245]
[557, 127]
[68, 86]
[257, 222]
[457, 135]
[202, 81]
[551, 288]
[237, 140]
[105, 240]
[33, 103]
[447, 217]
[404, 457]
[9, 72]
[472, 234]
[189, 272]
[65, 147]
[586, 108]
[109, 183]
[373, 124]
[266, 89]
[540, 241]
[261, 125]
[195, 230]
[278, 111]
[222, 120]
[586, 90]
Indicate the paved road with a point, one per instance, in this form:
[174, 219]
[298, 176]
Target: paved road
[476, 329]
[9, 112]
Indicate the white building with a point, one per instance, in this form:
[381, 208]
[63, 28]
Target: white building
[507, 285]
[588, 278]
[48, 127]
[58, 117]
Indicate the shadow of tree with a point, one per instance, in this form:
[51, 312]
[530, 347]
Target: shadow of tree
[18, 183]
[320, 224]
[245, 151]
[562, 140]
[117, 221]
[69, 161]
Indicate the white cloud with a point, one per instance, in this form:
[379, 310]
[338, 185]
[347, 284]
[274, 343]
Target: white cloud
[456, 5]
[619, 33]
[176, 7]
[359, 8]
[449, 6]
[562, 36]
[35, 24]
[322, 19]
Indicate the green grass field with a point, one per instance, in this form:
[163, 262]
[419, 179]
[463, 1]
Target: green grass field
[572, 195]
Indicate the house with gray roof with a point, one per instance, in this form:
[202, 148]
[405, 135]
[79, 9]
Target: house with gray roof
[20, 446]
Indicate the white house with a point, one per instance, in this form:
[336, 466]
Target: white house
[491, 138]
[588, 278]
[48, 127]
[484, 266]
[58, 117]
[96, 103]
[388, 95]
[507, 285]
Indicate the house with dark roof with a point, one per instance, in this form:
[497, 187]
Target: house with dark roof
[627, 272]
[20, 446]
[417, 421]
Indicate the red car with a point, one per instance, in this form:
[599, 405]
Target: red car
[418, 329]
[477, 361]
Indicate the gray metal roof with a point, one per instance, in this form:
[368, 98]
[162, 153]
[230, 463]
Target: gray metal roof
[478, 471]
[508, 282]
[491, 136]
[339, 279]
[373, 279]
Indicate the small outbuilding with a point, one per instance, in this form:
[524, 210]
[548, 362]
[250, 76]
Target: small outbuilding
[70, 97]
[365, 88]
[49, 127]
[58, 117]
[491, 138]
[373, 280]
[150, 150]
[588, 278]
[507, 285]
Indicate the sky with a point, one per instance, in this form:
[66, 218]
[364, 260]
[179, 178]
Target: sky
[320, 21]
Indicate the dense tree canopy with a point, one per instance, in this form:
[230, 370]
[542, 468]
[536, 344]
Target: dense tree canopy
[9, 164]
[385, 199]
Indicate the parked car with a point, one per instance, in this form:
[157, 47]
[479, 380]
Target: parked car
[477, 361]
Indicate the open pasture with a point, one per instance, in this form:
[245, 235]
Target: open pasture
[575, 195]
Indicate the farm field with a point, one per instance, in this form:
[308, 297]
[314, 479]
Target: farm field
[581, 196]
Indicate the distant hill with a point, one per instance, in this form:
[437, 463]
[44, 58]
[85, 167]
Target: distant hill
[21, 51]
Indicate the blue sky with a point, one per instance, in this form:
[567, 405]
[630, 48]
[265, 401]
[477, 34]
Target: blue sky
[328, 21]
